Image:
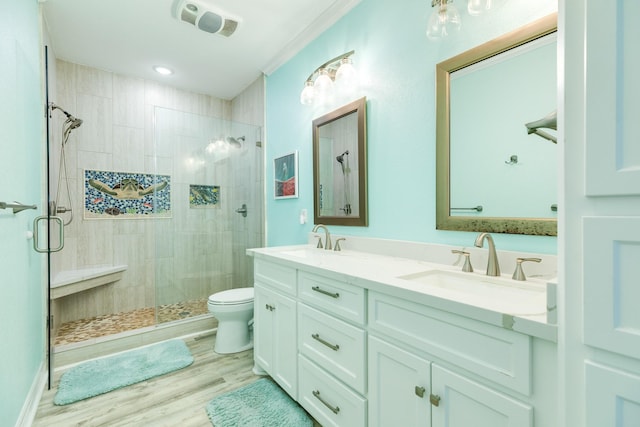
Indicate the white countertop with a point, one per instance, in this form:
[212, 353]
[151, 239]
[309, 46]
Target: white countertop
[382, 273]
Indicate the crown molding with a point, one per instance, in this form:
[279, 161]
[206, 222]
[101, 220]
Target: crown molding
[317, 27]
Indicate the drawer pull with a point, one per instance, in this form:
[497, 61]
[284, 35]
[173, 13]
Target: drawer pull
[322, 291]
[420, 391]
[334, 347]
[269, 307]
[334, 409]
[434, 399]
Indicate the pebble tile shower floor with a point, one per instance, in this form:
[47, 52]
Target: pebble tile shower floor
[109, 324]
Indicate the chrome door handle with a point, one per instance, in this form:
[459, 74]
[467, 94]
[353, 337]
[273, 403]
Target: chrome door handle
[16, 206]
[36, 235]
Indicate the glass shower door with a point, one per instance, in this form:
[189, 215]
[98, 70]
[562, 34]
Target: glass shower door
[215, 170]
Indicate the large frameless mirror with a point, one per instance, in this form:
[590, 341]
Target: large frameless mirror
[496, 167]
[340, 166]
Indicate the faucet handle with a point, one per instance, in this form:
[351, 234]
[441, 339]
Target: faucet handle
[467, 268]
[337, 247]
[518, 274]
[319, 245]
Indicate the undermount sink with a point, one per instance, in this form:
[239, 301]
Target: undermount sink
[301, 253]
[493, 293]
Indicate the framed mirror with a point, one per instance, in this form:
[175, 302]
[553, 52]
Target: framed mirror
[340, 166]
[493, 173]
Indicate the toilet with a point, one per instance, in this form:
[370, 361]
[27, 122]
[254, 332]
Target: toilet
[234, 310]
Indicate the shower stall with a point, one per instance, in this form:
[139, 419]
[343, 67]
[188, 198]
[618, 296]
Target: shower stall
[158, 219]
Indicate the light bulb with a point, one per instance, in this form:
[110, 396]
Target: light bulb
[443, 21]
[211, 147]
[308, 93]
[323, 86]
[477, 7]
[346, 76]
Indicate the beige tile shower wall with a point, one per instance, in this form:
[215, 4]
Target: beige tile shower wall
[118, 134]
[248, 171]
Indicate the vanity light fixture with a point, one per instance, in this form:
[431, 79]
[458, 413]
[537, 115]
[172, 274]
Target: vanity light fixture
[337, 74]
[446, 19]
[163, 70]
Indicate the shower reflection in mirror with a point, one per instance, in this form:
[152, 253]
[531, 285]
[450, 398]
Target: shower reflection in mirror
[339, 166]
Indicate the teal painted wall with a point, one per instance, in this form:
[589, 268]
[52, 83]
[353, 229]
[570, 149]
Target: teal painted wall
[21, 162]
[395, 62]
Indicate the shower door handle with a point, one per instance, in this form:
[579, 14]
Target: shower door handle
[36, 234]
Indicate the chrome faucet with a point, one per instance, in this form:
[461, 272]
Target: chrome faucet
[493, 269]
[327, 235]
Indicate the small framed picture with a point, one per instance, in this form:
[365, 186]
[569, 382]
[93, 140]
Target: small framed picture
[285, 176]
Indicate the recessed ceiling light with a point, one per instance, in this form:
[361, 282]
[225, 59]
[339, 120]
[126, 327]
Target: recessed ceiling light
[163, 70]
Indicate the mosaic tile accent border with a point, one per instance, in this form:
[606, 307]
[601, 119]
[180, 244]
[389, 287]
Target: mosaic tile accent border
[126, 195]
[204, 196]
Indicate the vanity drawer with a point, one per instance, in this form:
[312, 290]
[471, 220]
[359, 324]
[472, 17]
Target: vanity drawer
[336, 346]
[276, 276]
[497, 354]
[327, 400]
[343, 300]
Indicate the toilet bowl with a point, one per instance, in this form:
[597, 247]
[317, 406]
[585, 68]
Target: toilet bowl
[234, 310]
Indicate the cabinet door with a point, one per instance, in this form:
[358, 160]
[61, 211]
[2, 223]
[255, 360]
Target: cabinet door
[285, 359]
[398, 387]
[263, 344]
[274, 337]
[463, 403]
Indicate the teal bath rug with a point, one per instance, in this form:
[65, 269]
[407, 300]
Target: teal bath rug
[259, 404]
[110, 373]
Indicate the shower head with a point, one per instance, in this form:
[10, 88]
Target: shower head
[340, 158]
[235, 141]
[72, 121]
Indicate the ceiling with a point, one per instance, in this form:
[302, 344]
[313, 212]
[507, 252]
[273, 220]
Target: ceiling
[131, 36]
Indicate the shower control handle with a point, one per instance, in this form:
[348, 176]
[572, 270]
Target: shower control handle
[242, 210]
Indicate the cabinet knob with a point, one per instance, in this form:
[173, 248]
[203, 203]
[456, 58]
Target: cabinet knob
[420, 391]
[434, 399]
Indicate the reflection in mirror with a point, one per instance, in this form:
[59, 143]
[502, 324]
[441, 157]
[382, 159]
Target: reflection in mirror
[339, 166]
[493, 173]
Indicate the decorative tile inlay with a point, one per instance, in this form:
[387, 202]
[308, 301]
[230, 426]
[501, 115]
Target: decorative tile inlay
[204, 196]
[126, 195]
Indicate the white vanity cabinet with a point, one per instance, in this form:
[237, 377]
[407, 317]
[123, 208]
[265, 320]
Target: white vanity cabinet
[275, 346]
[357, 353]
[411, 391]
[332, 350]
[408, 346]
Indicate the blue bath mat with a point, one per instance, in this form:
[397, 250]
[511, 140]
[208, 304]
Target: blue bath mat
[259, 404]
[110, 373]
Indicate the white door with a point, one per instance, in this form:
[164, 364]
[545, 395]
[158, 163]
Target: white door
[399, 387]
[263, 328]
[285, 344]
[600, 227]
[463, 403]
[22, 296]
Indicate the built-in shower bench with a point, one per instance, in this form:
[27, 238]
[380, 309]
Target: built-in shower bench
[74, 281]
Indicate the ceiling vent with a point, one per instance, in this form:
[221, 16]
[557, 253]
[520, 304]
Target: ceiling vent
[205, 17]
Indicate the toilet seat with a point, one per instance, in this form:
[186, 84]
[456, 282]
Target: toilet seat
[232, 296]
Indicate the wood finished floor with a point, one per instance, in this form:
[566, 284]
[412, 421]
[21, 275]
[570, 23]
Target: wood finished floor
[175, 399]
